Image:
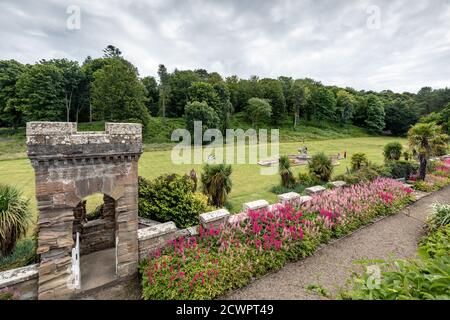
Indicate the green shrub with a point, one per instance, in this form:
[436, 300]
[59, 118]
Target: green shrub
[170, 198]
[392, 151]
[284, 169]
[321, 167]
[349, 178]
[440, 216]
[423, 186]
[23, 254]
[216, 183]
[358, 160]
[307, 179]
[401, 169]
[436, 244]
[15, 217]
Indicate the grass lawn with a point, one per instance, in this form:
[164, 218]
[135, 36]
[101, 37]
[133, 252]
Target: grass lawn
[248, 183]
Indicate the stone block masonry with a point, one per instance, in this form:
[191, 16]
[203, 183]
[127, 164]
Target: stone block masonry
[70, 165]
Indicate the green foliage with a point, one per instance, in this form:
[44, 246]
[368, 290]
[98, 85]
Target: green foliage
[345, 106]
[358, 160]
[40, 91]
[307, 179]
[427, 278]
[216, 183]
[272, 90]
[392, 151]
[204, 92]
[440, 216]
[15, 218]
[284, 169]
[437, 243]
[375, 114]
[10, 71]
[117, 94]
[151, 95]
[400, 116]
[320, 165]
[401, 169]
[200, 111]
[324, 104]
[24, 253]
[257, 110]
[170, 198]
[423, 186]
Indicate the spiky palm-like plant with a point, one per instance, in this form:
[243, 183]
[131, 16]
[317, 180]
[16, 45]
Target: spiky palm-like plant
[284, 169]
[426, 139]
[15, 217]
[321, 166]
[216, 183]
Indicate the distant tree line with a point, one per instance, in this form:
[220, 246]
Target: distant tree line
[109, 88]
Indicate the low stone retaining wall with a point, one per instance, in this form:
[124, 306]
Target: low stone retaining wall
[21, 281]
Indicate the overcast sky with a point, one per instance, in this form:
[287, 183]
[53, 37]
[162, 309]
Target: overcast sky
[399, 45]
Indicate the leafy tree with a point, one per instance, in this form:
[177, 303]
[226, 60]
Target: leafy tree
[164, 88]
[204, 92]
[216, 183]
[41, 94]
[298, 99]
[15, 217]
[273, 91]
[179, 83]
[424, 139]
[399, 117]
[324, 104]
[72, 77]
[151, 94]
[10, 71]
[284, 169]
[200, 111]
[225, 107]
[321, 167]
[247, 89]
[375, 114]
[112, 52]
[393, 151]
[257, 110]
[117, 94]
[286, 84]
[345, 106]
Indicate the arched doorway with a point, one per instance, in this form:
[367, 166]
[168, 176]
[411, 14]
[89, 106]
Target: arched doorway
[95, 223]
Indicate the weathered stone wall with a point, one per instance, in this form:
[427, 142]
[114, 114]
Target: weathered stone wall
[69, 166]
[22, 281]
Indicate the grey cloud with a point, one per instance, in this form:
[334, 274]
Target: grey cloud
[327, 40]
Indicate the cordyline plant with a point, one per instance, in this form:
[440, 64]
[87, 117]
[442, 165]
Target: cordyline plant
[231, 255]
[14, 218]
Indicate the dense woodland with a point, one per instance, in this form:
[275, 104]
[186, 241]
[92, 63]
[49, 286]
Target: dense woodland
[110, 88]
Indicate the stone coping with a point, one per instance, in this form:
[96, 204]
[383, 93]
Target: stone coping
[156, 230]
[255, 205]
[315, 189]
[18, 275]
[212, 216]
[338, 184]
[70, 128]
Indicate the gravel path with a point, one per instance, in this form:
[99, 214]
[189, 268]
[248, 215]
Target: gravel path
[330, 267]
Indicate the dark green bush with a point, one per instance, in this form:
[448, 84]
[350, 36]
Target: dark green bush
[393, 151]
[358, 160]
[307, 180]
[170, 198]
[321, 167]
[401, 169]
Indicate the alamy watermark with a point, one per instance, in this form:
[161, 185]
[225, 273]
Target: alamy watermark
[231, 149]
[73, 21]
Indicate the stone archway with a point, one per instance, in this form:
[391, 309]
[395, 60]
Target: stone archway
[69, 166]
